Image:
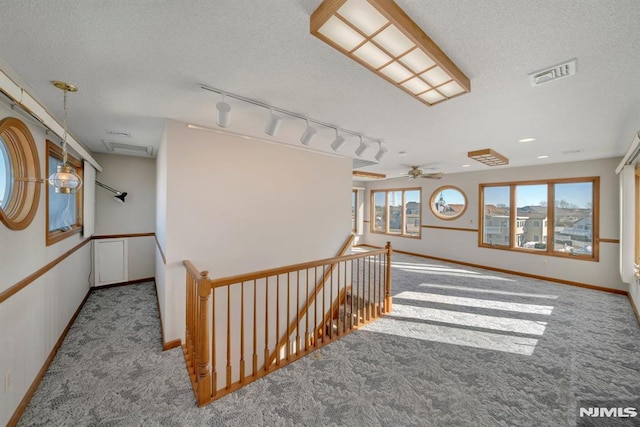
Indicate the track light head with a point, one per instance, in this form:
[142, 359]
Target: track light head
[308, 135]
[223, 113]
[381, 152]
[338, 142]
[273, 125]
[361, 148]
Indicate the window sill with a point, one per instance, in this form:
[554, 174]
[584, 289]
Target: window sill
[57, 236]
[593, 258]
[406, 236]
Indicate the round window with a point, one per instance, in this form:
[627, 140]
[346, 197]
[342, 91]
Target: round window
[448, 202]
[19, 174]
[6, 174]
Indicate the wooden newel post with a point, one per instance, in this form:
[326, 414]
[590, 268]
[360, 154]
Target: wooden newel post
[387, 283]
[203, 373]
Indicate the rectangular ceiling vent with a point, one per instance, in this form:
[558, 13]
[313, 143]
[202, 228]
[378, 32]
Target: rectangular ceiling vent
[556, 72]
[361, 163]
[128, 149]
[118, 133]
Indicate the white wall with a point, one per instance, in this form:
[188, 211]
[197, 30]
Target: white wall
[629, 193]
[136, 176]
[161, 225]
[463, 245]
[235, 206]
[32, 320]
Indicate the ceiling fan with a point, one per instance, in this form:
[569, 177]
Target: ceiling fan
[416, 172]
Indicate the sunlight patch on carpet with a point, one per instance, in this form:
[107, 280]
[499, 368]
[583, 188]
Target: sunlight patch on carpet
[454, 336]
[474, 302]
[487, 291]
[506, 324]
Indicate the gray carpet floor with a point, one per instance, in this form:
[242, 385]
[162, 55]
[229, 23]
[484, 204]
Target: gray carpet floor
[463, 347]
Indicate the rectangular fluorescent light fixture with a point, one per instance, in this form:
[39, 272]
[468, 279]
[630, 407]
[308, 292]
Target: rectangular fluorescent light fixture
[488, 157]
[380, 36]
[369, 175]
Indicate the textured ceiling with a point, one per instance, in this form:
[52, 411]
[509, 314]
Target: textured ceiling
[138, 62]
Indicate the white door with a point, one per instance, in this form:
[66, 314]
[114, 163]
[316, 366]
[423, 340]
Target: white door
[110, 261]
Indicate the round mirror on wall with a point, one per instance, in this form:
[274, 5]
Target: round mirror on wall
[448, 202]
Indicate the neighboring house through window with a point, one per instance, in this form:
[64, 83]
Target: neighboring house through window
[396, 212]
[554, 217]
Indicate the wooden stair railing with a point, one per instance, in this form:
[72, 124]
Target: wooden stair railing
[321, 282]
[234, 320]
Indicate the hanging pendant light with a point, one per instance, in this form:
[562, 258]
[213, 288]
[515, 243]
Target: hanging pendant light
[65, 180]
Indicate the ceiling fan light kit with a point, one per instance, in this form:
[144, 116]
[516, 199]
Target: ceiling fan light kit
[415, 172]
[379, 35]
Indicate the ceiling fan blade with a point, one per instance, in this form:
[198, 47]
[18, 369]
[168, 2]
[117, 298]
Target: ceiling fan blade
[432, 175]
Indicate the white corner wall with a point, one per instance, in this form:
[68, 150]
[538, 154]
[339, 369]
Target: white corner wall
[161, 227]
[463, 245]
[235, 205]
[136, 176]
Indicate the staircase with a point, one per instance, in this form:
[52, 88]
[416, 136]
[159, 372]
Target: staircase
[241, 328]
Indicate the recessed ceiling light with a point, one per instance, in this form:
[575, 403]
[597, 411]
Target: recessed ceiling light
[543, 157]
[526, 140]
[465, 166]
[402, 153]
[576, 151]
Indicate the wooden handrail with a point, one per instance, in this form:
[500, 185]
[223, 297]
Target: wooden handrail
[223, 281]
[191, 268]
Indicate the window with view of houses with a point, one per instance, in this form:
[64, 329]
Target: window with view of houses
[554, 217]
[396, 212]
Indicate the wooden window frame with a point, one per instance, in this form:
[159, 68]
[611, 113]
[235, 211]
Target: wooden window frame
[637, 219]
[25, 163]
[439, 190]
[372, 213]
[594, 180]
[57, 235]
[354, 229]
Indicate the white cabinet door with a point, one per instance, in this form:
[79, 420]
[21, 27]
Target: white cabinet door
[110, 261]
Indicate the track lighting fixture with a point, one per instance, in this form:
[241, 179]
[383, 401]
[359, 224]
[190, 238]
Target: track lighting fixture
[308, 135]
[273, 125]
[275, 120]
[381, 152]
[361, 148]
[338, 142]
[223, 115]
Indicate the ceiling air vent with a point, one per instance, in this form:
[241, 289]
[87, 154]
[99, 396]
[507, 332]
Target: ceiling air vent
[361, 163]
[556, 72]
[128, 149]
[118, 133]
